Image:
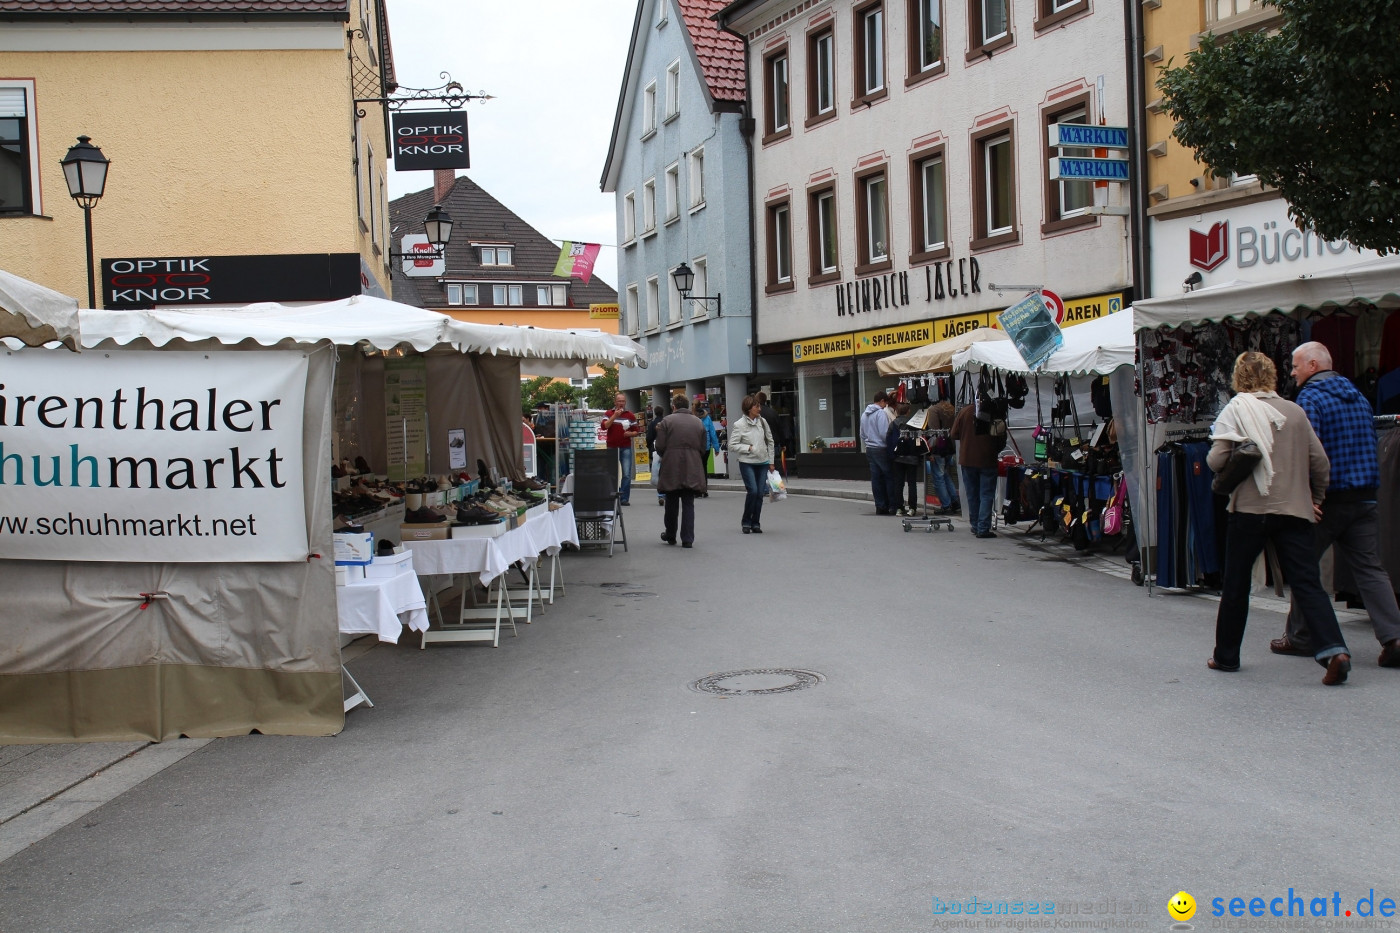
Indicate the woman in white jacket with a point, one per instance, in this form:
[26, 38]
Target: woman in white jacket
[751, 442]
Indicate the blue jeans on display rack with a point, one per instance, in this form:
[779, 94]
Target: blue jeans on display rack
[755, 489]
[1293, 542]
[979, 497]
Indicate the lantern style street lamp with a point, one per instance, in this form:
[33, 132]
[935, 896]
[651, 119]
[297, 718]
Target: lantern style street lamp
[437, 226]
[685, 281]
[85, 171]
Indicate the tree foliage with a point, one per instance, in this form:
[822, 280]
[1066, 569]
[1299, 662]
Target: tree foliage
[603, 389]
[1312, 109]
[545, 389]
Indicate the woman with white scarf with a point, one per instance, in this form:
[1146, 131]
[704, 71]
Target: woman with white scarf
[1278, 503]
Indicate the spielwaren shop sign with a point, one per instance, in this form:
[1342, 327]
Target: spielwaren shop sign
[144, 282]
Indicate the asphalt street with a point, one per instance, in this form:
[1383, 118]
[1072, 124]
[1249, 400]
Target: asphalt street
[991, 720]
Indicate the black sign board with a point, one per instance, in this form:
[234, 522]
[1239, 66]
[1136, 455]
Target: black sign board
[429, 139]
[129, 284]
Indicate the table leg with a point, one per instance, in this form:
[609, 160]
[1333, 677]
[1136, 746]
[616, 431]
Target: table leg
[359, 696]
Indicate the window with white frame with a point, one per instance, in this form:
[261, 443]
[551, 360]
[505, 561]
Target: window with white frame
[510, 295]
[633, 323]
[673, 191]
[649, 110]
[629, 217]
[369, 189]
[775, 91]
[876, 229]
[930, 205]
[697, 177]
[673, 305]
[19, 148]
[701, 285]
[822, 223]
[821, 74]
[991, 21]
[653, 303]
[556, 296]
[779, 246]
[673, 89]
[459, 293]
[1217, 10]
[1066, 198]
[994, 186]
[497, 255]
[649, 206]
[871, 79]
[926, 36]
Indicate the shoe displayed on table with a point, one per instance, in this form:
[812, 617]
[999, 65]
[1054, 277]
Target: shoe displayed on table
[1338, 667]
[424, 517]
[1285, 646]
[476, 515]
[1390, 654]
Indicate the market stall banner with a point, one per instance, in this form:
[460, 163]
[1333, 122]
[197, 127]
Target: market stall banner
[152, 457]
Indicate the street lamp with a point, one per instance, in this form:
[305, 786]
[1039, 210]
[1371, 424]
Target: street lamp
[685, 280]
[85, 170]
[438, 228]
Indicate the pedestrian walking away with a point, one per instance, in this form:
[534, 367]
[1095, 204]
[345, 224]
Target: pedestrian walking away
[977, 456]
[657, 414]
[1277, 502]
[621, 426]
[751, 443]
[681, 442]
[1350, 523]
[906, 461]
[874, 427]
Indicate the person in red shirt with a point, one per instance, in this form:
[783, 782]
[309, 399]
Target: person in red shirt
[621, 426]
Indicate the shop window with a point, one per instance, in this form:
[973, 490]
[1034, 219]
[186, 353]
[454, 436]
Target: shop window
[994, 188]
[556, 296]
[775, 96]
[649, 206]
[653, 304]
[1067, 201]
[649, 110]
[673, 90]
[925, 40]
[632, 324]
[508, 295]
[779, 239]
[869, 58]
[989, 26]
[928, 201]
[822, 234]
[673, 191]
[629, 217]
[821, 75]
[460, 294]
[1050, 13]
[872, 222]
[697, 178]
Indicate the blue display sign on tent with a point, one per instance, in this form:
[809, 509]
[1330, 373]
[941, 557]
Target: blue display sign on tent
[1032, 328]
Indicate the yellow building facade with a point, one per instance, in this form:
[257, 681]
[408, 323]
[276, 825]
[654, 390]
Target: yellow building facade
[228, 137]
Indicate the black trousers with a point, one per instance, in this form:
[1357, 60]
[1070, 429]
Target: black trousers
[682, 501]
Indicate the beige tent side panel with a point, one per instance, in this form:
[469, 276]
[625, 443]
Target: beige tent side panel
[227, 649]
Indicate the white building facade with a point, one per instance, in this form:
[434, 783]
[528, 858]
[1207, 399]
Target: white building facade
[902, 170]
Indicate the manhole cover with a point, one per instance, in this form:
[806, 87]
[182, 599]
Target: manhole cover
[761, 682]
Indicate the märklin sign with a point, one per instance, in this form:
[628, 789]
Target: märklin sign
[133, 284]
[430, 139]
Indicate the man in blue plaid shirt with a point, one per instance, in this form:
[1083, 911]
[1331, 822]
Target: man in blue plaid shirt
[1347, 519]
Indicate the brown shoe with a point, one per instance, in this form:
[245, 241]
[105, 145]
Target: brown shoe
[1217, 666]
[1284, 646]
[1338, 666]
[1390, 654]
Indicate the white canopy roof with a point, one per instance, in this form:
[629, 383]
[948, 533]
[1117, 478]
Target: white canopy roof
[1375, 282]
[934, 357]
[355, 321]
[36, 315]
[1097, 346]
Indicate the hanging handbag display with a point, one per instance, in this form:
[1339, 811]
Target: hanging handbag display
[1113, 512]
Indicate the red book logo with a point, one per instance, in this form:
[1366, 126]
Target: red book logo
[1210, 249]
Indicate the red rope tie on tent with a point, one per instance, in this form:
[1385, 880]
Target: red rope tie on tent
[146, 598]
[311, 557]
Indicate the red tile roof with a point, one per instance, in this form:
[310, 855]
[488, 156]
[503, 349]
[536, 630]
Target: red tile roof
[77, 7]
[721, 54]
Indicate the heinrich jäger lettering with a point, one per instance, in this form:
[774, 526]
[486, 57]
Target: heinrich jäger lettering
[952, 279]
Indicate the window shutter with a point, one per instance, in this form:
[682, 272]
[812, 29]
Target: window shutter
[12, 102]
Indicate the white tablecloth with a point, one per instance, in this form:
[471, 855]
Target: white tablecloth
[490, 557]
[382, 605]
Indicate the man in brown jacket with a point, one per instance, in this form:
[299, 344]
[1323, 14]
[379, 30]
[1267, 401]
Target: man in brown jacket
[977, 455]
[681, 442]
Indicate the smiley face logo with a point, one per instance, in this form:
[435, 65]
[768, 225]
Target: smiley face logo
[1182, 906]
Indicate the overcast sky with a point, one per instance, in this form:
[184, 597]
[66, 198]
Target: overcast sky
[555, 68]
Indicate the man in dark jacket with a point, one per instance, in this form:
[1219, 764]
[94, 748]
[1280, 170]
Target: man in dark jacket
[977, 455]
[681, 442]
[1348, 522]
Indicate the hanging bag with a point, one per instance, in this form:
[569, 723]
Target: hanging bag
[1243, 459]
[1113, 512]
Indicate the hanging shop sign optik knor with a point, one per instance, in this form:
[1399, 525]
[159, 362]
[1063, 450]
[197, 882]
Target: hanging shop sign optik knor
[133, 284]
[430, 139]
[949, 279]
[153, 457]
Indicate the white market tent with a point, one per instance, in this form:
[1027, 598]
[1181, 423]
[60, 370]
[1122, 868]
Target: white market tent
[35, 315]
[98, 649]
[1097, 346]
[935, 357]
